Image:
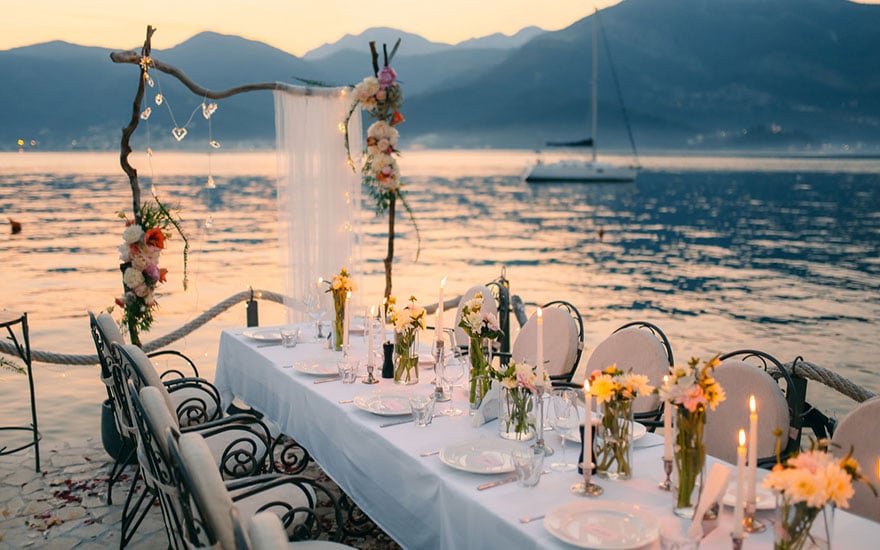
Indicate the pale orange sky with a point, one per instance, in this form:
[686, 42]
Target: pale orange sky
[295, 26]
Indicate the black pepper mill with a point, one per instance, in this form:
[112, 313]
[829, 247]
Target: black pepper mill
[387, 364]
[581, 458]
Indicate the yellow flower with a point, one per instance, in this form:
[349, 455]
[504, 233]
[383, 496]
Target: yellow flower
[603, 389]
[838, 485]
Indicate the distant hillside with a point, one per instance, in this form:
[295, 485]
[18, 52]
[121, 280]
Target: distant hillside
[692, 73]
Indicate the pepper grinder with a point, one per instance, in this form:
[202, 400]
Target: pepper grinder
[387, 364]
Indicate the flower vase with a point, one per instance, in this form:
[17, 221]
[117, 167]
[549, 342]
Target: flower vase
[690, 458]
[615, 440]
[339, 321]
[800, 526]
[406, 357]
[479, 372]
[516, 418]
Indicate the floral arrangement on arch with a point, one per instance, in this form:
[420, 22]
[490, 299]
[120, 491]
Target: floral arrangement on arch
[143, 242]
[381, 97]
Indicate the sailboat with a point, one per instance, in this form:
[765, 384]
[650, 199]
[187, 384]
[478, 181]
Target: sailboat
[584, 170]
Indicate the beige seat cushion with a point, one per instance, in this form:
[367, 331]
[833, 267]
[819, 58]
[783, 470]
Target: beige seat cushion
[860, 431]
[637, 350]
[740, 380]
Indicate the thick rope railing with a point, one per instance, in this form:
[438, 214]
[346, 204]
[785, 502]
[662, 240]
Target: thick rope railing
[831, 379]
[161, 342]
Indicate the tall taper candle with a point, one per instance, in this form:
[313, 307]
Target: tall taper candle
[740, 485]
[588, 432]
[753, 448]
[540, 358]
[346, 319]
[372, 318]
[384, 319]
[667, 425]
[438, 326]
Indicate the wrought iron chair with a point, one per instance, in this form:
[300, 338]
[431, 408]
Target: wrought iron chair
[240, 455]
[859, 431]
[749, 372]
[207, 502]
[105, 334]
[640, 347]
[563, 341]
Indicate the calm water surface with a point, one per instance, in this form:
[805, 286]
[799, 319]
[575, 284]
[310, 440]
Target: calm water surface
[723, 253]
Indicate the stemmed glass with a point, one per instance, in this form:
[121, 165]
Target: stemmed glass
[565, 420]
[452, 373]
[315, 311]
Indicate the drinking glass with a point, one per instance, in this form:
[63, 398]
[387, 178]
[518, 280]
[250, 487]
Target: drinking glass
[565, 420]
[422, 407]
[452, 372]
[315, 311]
[527, 463]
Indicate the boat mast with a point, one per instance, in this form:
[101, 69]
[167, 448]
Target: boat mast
[595, 95]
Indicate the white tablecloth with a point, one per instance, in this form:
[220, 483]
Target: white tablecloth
[419, 501]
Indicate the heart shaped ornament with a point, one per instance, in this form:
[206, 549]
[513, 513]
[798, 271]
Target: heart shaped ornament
[159, 99]
[208, 109]
[146, 113]
[178, 133]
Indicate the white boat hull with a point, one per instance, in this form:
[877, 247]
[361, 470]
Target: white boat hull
[583, 171]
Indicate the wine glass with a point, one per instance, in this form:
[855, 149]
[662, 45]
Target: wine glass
[315, 311]
[452, 373]
[564, 419]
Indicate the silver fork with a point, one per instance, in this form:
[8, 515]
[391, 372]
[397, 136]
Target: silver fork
[531, 519]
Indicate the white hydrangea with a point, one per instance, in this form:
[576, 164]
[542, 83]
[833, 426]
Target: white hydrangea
[133, 233]
[133, 278]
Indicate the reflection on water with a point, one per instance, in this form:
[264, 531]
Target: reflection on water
[764, 256]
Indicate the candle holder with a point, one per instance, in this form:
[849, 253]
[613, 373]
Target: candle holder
[750, 523]
[539, 439]
[370, 379]
[440, 394]
[586, 488]
[666, 485]
[737, 542]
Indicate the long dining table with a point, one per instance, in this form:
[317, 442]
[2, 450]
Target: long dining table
[420, 501]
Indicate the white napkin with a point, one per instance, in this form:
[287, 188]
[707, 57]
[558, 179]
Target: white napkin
[715, 486]
[488, 409]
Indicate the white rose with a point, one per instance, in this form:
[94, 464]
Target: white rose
[132, 278]
[132, 234]
[124, 252]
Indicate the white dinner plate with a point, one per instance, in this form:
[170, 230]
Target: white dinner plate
[764, 499]
[639, 431]
[264, 334]
[480, 456]
[384, 403]
[316, 369]
[603, 525]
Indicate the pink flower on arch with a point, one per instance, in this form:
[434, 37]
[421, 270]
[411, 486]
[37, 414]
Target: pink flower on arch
[386, 76]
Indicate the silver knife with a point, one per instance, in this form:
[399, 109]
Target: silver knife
[496, 483]
[325, 380]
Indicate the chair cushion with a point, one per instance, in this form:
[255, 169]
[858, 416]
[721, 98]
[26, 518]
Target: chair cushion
[158, 416]
[560, 341]
[860, 431]
[266, 532]
[740, 380]
[489, 306]
[637, 350]
[109, 330]
[209, 492]
[142, 364]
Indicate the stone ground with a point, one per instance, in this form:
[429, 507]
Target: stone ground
[65, 504]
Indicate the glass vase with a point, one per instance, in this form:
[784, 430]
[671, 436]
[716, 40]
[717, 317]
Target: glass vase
[516, 417]
[614, 440]
[801, 527]
[406, 357]
[690, 458]
[339, 320]
[479, 373]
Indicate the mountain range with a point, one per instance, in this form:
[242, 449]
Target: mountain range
[686, 74]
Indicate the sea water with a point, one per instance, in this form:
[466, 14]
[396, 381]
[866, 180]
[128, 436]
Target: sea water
[723, 253]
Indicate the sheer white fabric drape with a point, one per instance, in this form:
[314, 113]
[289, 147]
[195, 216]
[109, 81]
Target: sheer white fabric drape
[318, 193]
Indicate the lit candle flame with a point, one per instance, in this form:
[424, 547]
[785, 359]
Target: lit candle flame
[442, 282]
[753, 406]
[540, 313]
[742, 437]
[320, 280]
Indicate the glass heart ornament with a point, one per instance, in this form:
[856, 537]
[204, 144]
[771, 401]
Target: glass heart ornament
[208, 109]
[146, 113]
[159, 99]
[178, 133]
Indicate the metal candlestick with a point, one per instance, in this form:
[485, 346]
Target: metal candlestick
[737, 542]
[750, 524]
[666, 485]
[440, 394]
[370, 379]
[586, 488]
[539, 439]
